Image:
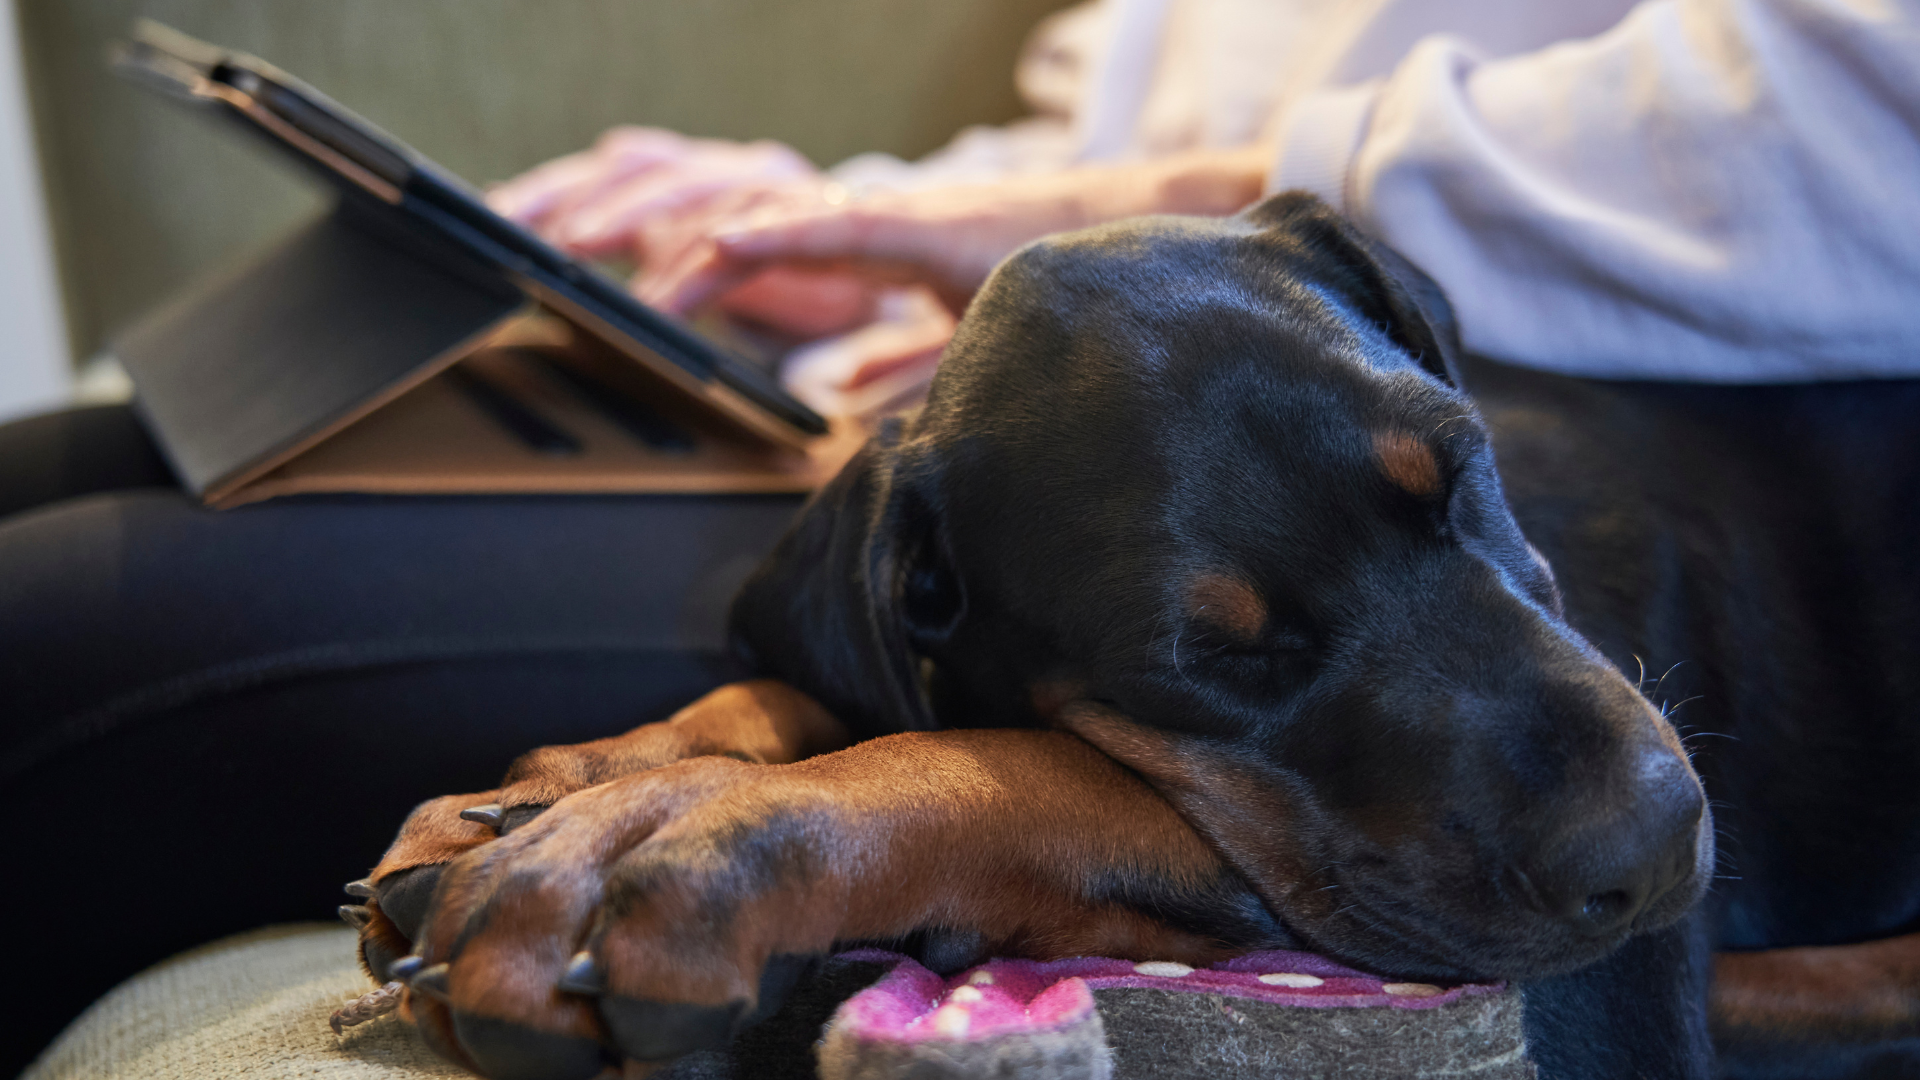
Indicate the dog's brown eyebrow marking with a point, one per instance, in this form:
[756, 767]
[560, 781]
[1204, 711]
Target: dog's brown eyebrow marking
[1407, 461]
[1228, 602]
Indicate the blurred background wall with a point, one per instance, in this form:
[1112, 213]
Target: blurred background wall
[142, 197]
[33, 346]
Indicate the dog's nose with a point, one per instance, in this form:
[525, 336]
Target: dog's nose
[1596, 875]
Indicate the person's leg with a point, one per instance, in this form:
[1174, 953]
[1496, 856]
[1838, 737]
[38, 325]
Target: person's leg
[213, 719]
[60, 455]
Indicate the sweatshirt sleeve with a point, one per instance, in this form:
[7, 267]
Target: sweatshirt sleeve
[1722, 190]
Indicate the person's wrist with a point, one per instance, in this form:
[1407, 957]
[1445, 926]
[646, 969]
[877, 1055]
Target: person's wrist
[1211, 182]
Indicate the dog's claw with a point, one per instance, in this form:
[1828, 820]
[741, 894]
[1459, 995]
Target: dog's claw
[488, 814]
[406, 967]
[432, 982]
[355, 915]
[362, 888]
[583, 976]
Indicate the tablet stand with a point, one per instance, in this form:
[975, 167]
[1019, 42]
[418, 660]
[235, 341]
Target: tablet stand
[322, 367]
[240, 375]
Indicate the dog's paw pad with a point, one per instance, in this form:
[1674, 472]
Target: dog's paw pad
[518, 816]
[661, 1030]
[406, 896]
[509, 1051]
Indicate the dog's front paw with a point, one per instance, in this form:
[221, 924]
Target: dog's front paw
[392, 901]
[756, 721]
[640, 919]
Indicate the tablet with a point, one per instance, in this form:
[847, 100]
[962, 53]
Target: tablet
[373, 168]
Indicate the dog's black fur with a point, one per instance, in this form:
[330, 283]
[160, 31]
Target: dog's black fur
[1753, 550]
[1410, 750]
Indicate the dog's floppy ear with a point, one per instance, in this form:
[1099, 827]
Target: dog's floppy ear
[1376, 281]
[858, 581]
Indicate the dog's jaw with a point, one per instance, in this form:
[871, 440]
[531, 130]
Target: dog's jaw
[1269, 826]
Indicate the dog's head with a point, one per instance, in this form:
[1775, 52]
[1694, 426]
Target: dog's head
[1205, 493]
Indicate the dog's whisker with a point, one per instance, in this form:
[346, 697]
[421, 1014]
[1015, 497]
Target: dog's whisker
[1437, 428]
[1670, 709]
[1663, 678]
[1367, 919]
[1707, 734]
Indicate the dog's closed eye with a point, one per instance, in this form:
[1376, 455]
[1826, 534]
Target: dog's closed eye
[1407, 462]
[1228, 617]
[1228, 605]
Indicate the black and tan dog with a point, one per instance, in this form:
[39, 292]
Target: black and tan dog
[1190, 617]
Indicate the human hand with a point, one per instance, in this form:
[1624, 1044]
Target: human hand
[946, 238]
[647, 194]
[798, 302]
[595, 203]
[881, 367]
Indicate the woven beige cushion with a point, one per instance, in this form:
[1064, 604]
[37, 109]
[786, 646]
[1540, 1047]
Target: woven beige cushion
[255, 1006]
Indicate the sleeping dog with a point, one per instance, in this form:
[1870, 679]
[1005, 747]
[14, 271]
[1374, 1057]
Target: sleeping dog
[1190, 617]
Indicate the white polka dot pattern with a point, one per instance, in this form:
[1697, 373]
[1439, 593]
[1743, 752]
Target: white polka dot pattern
[1293, 979]
[1163, 969]
[952, 1021]
[1412, 989]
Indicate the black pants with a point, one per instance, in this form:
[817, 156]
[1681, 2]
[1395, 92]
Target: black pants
[210, 720]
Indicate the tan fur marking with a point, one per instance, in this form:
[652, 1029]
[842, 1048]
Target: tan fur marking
[1863, 992]
[1229, 603]
[1407, 461]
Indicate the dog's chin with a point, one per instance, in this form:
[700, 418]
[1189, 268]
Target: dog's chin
[1482, 954]
[1473, 944]
[1382, 927]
